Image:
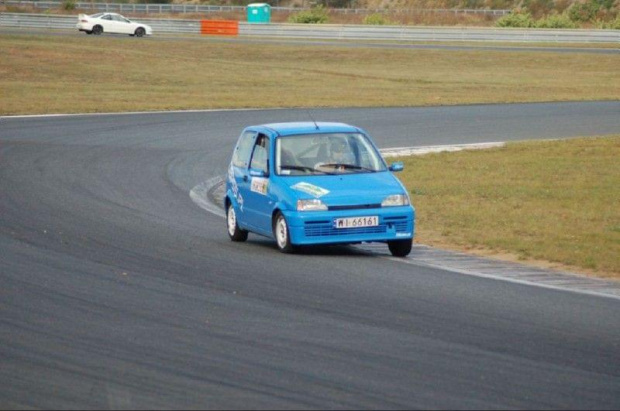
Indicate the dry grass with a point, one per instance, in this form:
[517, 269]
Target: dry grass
[60, 74]
[553, 201]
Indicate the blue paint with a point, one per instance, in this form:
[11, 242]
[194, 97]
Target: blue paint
[332, 169]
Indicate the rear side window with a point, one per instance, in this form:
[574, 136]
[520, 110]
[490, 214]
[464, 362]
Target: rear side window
[241, 155]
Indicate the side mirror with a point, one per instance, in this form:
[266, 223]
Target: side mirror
[396, 167]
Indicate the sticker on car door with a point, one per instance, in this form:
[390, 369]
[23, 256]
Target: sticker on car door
[259, 185]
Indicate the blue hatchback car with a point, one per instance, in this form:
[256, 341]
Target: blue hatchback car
[316, 183]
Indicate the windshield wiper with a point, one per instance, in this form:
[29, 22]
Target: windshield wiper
[302, 168]
[348, 166]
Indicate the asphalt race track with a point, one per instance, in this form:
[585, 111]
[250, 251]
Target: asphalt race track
[118, 291]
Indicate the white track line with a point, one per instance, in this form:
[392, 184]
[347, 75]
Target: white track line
[416, 151]
[132, 113]
[200, 196]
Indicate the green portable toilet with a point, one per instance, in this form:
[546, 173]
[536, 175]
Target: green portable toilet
[259, 13]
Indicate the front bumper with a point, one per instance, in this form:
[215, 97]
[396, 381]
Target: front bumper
[317, 227]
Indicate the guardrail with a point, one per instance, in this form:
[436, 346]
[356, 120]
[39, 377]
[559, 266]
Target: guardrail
[409, 33]
[341, 32]
[206, 9]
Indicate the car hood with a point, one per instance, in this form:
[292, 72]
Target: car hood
[346, 189]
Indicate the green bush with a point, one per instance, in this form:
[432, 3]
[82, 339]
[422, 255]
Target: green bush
[516, 19]
[606, 4]
[556, 21]
[584, 12]
[316, 15]
[377, 19]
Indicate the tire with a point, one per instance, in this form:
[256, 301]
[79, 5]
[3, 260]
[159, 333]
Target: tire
[400, 248]
[234, 232]
[282, 235]
[97, 30]
[140, 32]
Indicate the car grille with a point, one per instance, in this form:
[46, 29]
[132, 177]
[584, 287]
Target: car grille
[326, 228]
[354, 207]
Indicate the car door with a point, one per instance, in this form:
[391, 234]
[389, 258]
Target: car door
[108, 23]
[239, 173]
[121, 25]
[126, 26]
[258, 200]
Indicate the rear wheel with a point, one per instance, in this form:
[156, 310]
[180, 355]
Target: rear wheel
[97, 30]
[282, 235]
[400, 248]
[140, 32]
[234, 232]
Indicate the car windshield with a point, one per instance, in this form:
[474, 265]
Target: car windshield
[333, 153]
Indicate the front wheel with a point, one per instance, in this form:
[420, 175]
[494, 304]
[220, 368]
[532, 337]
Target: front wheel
[400, 248]
[282, 235]
[234, 232]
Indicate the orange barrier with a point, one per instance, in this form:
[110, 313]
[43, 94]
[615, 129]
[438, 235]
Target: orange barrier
[219, 27]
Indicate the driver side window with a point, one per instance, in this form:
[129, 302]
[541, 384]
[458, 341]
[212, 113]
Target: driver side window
[260, 156]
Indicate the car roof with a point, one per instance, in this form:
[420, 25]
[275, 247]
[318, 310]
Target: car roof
[308, 127]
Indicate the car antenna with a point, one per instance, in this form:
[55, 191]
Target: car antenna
[313, 120]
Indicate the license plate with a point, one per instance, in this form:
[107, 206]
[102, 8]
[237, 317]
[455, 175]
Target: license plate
[355, 222]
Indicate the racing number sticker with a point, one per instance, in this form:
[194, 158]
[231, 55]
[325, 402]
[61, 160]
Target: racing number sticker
[259, 185]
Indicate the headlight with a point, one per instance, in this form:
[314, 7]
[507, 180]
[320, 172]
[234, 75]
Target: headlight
[311, 205]
[395, 200]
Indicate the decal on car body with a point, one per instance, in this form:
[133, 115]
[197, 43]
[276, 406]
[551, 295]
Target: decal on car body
[259, 185]
[310, 189]
[234, 188]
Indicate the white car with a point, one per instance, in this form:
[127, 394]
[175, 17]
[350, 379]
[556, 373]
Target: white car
[111, 23]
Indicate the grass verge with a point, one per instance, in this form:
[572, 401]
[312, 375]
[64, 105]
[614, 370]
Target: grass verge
[42, 74]
[555, 203]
